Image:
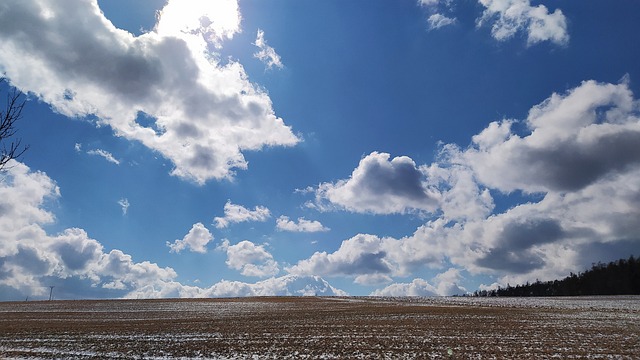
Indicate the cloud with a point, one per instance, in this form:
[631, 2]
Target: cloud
[124, 204]
[512, 251]
[372, 279]
[196, 240]
[360, 255]
[370, 259]
[512, 16]
[204, 113]
[418, 287]
[462, 198]
[105, 154]
[380, 186]
[579, 154]
[288, 285]
[574, 168]
[249, 258]
[31, 259]
[237, 213]
[80, 267]
[283, 223]
[446, 285]
[575, 139]
[214, 23]
[266, 53]
[437, 21]
[558, 234]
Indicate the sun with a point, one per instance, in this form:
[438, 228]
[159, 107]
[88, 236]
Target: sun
[219, 19]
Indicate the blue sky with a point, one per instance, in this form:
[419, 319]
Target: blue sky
[233, 148]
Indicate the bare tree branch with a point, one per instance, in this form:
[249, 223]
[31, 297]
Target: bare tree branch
[11, 149]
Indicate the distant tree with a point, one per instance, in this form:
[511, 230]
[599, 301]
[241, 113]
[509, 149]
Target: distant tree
[11, 148]
[621, 277]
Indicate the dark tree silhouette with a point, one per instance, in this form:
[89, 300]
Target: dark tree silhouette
[11, 148]
[621, 277]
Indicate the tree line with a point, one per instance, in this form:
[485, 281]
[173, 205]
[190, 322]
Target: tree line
[621, 277]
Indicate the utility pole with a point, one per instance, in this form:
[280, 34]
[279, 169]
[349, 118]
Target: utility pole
[51, 293]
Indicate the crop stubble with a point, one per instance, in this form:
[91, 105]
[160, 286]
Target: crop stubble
[311, 327]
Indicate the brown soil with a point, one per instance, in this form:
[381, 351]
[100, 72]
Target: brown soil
[310, 327]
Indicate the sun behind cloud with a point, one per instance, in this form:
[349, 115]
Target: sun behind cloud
[219, 20]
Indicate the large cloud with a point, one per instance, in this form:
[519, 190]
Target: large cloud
[282, 286]
[581, 155]
[31, 259]
[575, 139]
[250, 259]
[371, 260]
[204, 112]
[381, 186]
[512, 16]
[575, 171]
[360, 255]
[288, 285]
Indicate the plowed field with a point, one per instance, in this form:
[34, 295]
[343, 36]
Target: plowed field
[323, 328]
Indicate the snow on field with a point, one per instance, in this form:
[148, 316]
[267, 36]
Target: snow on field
[323, 328]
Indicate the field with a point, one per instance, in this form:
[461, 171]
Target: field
[323, 328]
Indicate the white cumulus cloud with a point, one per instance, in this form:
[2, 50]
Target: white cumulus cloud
[575, 139]
[234, 213]
[205, 112]
[302, 225]
[446, 284]
[577, 156]
[250, 259]
[417, 287]
[196, 240]
[287, 285]
[381, 186]
[360, 255]
[512, 16]
[30, 258]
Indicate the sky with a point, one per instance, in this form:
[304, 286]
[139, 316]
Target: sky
[188, 148]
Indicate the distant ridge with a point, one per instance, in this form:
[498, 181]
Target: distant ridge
[621, 277]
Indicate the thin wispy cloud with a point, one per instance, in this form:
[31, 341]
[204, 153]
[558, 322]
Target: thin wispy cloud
[437, 21]
[124, 204]
[266, 53]
[104, 154]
